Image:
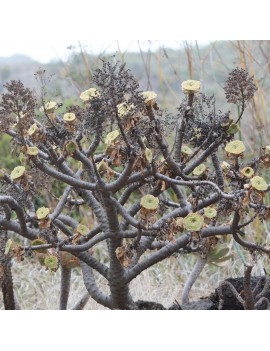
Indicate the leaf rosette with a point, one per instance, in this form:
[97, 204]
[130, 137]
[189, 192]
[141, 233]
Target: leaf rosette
[149, 202]
[193, 222]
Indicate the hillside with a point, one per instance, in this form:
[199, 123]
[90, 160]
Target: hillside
[162, 70]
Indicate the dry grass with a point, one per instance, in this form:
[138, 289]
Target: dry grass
[38, 289]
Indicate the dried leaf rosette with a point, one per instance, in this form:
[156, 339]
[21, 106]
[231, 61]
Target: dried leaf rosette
[150, 98]
[124, 255]
[43, 216]
[68, 260]
[149, 206]
[124, 109]
[89, 94]
[191, 86]
[50, 107]
[71, 147]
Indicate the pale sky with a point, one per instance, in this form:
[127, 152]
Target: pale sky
[45, 50]
[44, 29]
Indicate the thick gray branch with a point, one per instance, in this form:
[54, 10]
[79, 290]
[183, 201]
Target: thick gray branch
[62, 227]
[191, 183]
[13, 204]
[93, 263]
[218, 170]
[16, 228]
[203, 156]
[211, 231]
[130, 190]
[92, 288]
[196, 271]
[65, 287]
[59, 208]
[180, 196]
[82, 302]
[77, 183]
[158, 256]
[122, 180]
[129, 219]
[86, 246]
[67, 220]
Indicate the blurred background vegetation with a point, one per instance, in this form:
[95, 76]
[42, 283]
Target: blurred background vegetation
[161, 70]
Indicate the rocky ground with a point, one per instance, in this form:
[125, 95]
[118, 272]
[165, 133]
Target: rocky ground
[229, 295]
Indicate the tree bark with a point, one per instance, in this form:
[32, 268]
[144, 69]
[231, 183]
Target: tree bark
[119, 287]
[192, 278]
[65, 287]
[6, 281]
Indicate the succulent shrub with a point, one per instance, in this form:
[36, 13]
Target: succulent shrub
[111, 157]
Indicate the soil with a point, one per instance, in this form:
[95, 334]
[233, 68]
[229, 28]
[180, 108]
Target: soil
[148, 305]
